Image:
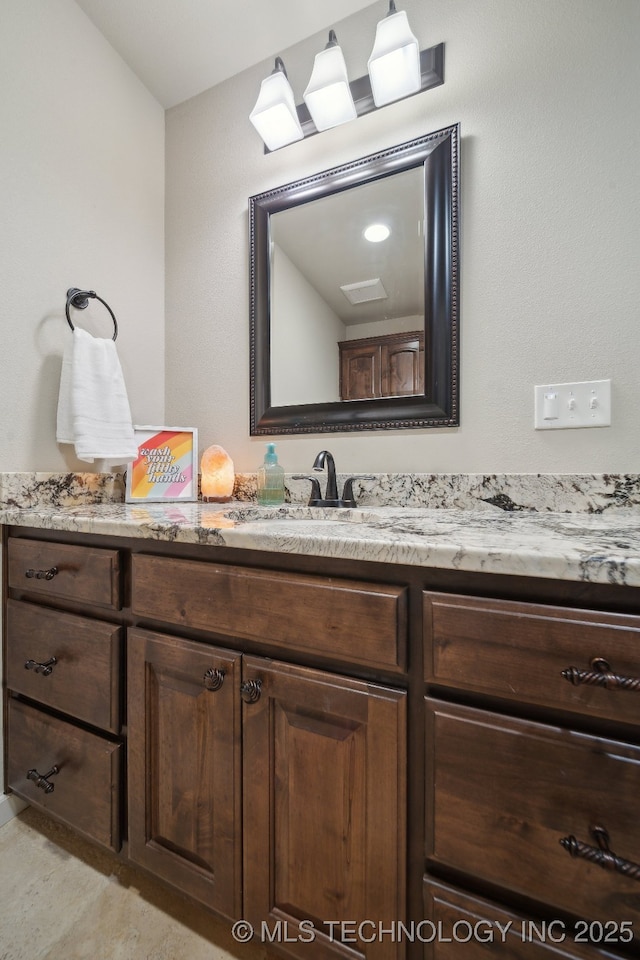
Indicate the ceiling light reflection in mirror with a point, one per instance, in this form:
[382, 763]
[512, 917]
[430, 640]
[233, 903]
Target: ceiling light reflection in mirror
[376, 232]
[328, 284]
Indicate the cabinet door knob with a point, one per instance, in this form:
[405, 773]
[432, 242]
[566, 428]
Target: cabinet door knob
[601, 855]
[600, 675]
[213, 679]
[250, 690]
[42, 779]
[49, 574]
[44, 669]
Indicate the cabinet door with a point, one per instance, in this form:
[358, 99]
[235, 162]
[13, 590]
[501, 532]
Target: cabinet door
[324, 805]
[402, 364]
[360, 371]
[184, 765]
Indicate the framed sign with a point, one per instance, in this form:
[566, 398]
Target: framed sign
[166, 467]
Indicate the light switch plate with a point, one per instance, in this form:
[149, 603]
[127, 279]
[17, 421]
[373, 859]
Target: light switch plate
[564, 406]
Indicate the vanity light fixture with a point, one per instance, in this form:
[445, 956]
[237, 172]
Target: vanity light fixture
[376, 232]
[397, 68]
[275, 116]
[394, 64]
[328, 95]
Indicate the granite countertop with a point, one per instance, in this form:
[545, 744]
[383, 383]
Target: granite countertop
[596, 547]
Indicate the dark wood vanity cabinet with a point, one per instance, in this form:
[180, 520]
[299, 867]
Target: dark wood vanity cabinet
[63, 746]
[300, 770]
[526, 795]
[362, 760]
[387, 366]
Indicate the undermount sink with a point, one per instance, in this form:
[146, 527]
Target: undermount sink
[255, 513]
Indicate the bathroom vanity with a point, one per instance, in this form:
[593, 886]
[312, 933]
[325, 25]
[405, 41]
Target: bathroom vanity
[378, 757]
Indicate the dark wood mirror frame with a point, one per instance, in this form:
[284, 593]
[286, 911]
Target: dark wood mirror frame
[438, 154]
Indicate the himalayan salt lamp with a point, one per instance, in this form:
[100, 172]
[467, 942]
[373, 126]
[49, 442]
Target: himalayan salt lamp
[216, 467]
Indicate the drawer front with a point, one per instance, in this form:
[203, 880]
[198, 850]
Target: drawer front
[460, 925]
[86, 788]
[84, 574]
[504, 793]
[67, 662]
[345, 619]
[520, 651]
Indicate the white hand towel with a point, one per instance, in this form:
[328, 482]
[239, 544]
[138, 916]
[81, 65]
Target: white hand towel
[93, 407]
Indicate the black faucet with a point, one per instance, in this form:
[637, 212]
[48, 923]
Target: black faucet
[331, 498]
[331, 493]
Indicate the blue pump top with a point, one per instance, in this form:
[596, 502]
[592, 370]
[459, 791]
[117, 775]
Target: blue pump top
[271, 456]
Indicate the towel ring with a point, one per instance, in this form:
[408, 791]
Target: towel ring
[80, 300]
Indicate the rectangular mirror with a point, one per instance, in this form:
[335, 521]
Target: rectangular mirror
[349, 333]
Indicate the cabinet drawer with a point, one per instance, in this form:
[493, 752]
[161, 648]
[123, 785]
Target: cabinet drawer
[519, 651]
[503, 794]
[345, 619]
[486, 931]
[84, 680]
[84, 574]
[86, 789]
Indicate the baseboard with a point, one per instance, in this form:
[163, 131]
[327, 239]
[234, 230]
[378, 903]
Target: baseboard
[9, 807]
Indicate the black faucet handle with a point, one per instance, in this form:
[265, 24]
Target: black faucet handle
[316, 494]
[348, 497]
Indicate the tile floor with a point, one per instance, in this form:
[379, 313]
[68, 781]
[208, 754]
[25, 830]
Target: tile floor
[63, 898]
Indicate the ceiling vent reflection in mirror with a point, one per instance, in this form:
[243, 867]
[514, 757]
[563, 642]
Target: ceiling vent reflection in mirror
[397, 68]
[365, 291]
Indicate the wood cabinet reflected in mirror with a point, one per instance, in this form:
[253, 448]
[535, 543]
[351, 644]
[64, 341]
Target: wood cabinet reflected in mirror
[386, 366]
[348, 334]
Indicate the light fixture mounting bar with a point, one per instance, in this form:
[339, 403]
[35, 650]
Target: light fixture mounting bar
[432, 75]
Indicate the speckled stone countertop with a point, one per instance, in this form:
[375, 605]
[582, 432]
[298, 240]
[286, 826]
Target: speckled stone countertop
[570, 528]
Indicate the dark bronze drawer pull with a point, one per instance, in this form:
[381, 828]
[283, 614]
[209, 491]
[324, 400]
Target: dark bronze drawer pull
[601, 855]
[213, 679]
[42, 779]
[42, 574]
[250, 690]
[44, 669]
[600, 675]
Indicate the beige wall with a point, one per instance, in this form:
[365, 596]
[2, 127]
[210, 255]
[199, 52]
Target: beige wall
[307, 327]
[81, 204]
[548, 96]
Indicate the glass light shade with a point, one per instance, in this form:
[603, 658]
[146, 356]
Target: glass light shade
[328, 96]
[274, 115]
[216, 467]
[394, 64]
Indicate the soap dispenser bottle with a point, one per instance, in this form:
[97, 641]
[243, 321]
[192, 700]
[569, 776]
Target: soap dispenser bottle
[270, 479]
